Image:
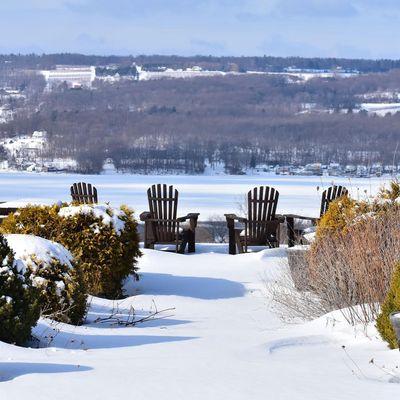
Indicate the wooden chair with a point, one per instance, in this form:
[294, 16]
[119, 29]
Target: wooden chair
[84, 193]
[330, 194]
[6, 211]
[261, 227]
[162, 226]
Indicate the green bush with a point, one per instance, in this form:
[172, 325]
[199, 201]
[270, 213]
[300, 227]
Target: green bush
[391, 304]
[50, 269]
[341, 213]
[42, 221]
[102, 239]
[19, 302]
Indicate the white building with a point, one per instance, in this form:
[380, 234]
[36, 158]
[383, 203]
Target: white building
[73, 76]
[168, 73]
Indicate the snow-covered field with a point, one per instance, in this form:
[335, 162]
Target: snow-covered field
[208, 195]
[380, 109]
[220, 336]
[219, 340]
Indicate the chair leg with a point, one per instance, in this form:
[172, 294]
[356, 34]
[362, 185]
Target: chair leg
[182, 247]
[183, 244]
[191, 239]
[146, 236]
[278, 235]
[290, 231]
[232, 239]
[239, 244]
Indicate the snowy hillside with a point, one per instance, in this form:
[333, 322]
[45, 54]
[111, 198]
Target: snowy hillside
[217, 339]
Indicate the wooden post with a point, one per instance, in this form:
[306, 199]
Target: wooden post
[290, 231]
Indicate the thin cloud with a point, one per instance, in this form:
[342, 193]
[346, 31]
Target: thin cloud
[365, 28]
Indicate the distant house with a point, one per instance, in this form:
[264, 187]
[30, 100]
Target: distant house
[26, 148]
[39, 134]
[73, 76]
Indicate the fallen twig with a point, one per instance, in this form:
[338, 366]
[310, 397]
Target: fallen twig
[115, 319]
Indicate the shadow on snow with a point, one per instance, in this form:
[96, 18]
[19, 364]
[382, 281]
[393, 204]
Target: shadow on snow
[99, 311]
[89, 339]
[11, 370]
[189, 286]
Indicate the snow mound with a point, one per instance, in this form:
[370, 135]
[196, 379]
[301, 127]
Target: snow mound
[109, 215]
[296, 341]
[30, 249]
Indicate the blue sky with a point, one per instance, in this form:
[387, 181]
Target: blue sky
[334, 28]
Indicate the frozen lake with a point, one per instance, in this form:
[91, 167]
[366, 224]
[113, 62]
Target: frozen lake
[208, 195]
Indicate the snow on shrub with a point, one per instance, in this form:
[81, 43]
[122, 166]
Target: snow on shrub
[50, 269]
[391, 304]
[102, 239]
[19, 303]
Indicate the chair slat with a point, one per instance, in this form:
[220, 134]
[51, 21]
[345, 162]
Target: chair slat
[165, 209]
[174, 206]
[259, 211]
[163, 204]
[262, 204]
[331, 194]
[84, 193]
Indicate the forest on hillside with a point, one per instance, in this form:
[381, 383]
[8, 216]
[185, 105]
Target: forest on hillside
[264, 63]
[183, 124]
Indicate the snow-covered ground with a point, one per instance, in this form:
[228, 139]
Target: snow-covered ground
[380, 109]
[31, 145]
[219, 340]
[207, 195]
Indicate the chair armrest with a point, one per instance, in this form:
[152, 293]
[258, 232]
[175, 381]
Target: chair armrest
[145, 216]
[192, 217]
[164, 220]
[188, 216]
[235, 217]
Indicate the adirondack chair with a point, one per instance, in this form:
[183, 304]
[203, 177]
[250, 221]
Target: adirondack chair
[84, 193]
[161, 224]
[330, 194]
[6, 211]
[261, 227]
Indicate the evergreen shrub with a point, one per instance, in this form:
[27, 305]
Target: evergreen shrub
[103, 240]
[19, 302]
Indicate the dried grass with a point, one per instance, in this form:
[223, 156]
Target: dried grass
[353, 269]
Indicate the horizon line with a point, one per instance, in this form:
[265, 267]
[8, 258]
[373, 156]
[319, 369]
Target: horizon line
[22, 54]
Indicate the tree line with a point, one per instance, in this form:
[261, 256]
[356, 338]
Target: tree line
[181, 125]
[262, 63]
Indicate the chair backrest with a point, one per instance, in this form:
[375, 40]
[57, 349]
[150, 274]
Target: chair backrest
[163, 204]
[330, 194]
[84, 193]
[261, 204]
